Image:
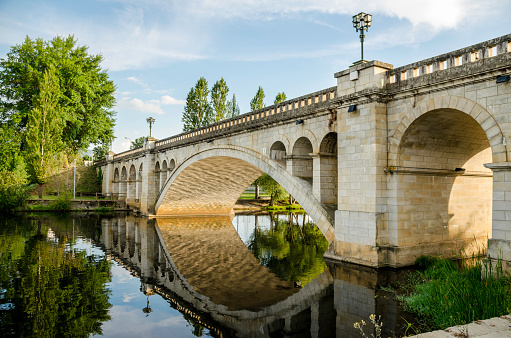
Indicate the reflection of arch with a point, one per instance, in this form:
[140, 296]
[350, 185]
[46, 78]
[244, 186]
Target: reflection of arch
[211, 181]
[278, 153]
[302, 161]
[328, 169]
[160, 263]
[139, 180]
[124, 182]
[163, 176]
[116, 182]
[157, 177]
[436, 202]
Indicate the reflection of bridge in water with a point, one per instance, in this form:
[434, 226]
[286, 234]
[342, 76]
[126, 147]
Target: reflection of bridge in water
[201, 266]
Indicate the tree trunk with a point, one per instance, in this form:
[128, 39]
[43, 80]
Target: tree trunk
[291, 200]
[40, 191]
[256, 192]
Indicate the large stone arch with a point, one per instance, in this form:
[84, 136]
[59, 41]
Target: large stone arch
[442, 199]
[469, 107]
[210, 182]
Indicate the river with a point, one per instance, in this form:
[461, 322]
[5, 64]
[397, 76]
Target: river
[120, 275]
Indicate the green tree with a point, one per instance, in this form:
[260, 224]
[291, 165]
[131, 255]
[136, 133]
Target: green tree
[45, 125]
[292, 251]
[100, 151]
[138, 142]
[13, 184]
[233, 109]
[272, 187]
[281, 97]
[257, 101]
[52, 291]
[219, 100]
[85, 98]
[197, 112]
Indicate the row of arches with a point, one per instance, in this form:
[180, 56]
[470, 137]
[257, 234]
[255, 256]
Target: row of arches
[318, 170]
[128, 184]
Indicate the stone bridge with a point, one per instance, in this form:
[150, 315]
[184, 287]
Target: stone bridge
[391, 163]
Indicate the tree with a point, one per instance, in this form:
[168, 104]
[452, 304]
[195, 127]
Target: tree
[281, 97]
[85, 97]
[138, 142]
[197, 112]
[45, 125]
[272, 187]
[258, 100]
[233, 109]
[219, 100]
[100, 151]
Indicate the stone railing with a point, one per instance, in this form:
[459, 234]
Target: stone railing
[289, 109]
[128, 153]
[461, 57]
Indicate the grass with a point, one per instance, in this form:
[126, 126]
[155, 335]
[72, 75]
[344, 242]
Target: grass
[294, 207]
[447, 294]
[251, 196]
[55, 197]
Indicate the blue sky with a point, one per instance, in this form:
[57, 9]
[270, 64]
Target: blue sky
[156, 50]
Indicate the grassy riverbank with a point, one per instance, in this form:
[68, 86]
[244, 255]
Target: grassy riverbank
[448, 293]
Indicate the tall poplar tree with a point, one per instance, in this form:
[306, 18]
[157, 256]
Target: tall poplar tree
[219, 100]
[258, 101]
[197, 112]
[45, 126]
[233, 109]
[281, 97]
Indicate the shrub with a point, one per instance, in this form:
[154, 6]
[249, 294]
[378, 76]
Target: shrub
[62, 203]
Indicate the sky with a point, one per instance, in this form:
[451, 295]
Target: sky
[156, 50]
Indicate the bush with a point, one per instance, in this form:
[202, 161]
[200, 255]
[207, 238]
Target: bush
[62, 203]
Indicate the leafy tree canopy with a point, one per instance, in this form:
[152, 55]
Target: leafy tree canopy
[197, 112]
[233, 109]
[281, 97]
[138, 142]
[219, 100]
[100, 151]
[257, 101]
[272, 187]
[85, 97]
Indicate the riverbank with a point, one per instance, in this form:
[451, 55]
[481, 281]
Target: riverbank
[488, 328]
[77, 205]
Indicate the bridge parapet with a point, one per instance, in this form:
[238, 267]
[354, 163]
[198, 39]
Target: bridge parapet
[295, 108]
[468, 61]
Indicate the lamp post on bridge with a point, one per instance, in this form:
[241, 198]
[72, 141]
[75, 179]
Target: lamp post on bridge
[362, 22]
[150, 120]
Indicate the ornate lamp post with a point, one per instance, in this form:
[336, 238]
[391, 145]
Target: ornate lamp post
[150, 120]
[362, 22]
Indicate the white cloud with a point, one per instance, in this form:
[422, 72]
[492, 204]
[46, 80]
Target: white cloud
[149, 106]
[137, 81]
[166, 99]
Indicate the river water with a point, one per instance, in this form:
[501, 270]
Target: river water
[120, 275]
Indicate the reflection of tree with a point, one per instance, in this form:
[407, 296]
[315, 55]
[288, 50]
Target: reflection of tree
[293, 252]
[48, 291]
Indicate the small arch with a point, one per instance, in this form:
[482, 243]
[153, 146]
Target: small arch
[302, 160]
[116, 182]
[132, 183]
[328, 169]
[172, 165]
[157, 177]
[163, 176]
[278, 153]
[139, 180]
[123, 183]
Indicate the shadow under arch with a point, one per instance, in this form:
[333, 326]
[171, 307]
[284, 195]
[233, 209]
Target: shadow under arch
[444, 199]
[210, 182]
